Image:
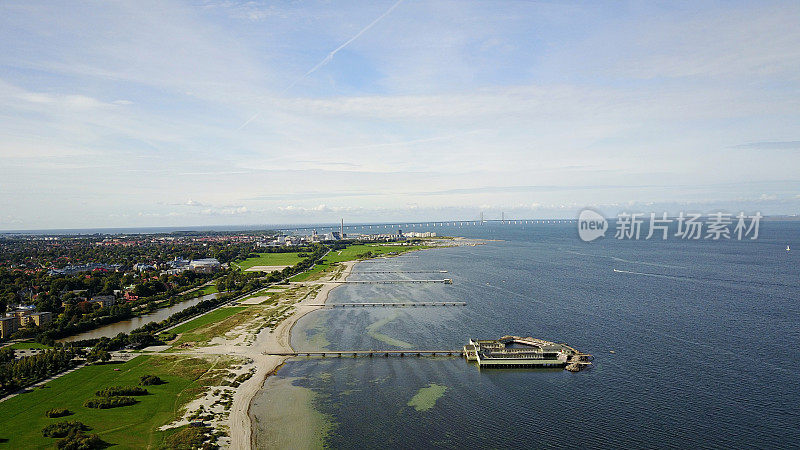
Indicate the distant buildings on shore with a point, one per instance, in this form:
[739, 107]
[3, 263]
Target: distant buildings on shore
[332, 236]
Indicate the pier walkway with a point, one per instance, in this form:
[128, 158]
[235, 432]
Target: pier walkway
[402, 271]
[445, 281]
[370, 353]
[394, 304]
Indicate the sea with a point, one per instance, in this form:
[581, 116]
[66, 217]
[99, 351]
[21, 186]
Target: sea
[695, 344]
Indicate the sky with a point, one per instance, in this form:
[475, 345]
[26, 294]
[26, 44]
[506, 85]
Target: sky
[173, 113]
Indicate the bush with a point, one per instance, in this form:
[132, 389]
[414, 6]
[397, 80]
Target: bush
[78, 440]
[116, 391]
[190, 438]
[57, 412]
[150, 380]
[108, 402]
[62, 429]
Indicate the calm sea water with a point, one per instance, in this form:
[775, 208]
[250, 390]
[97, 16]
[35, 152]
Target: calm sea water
[704, 337]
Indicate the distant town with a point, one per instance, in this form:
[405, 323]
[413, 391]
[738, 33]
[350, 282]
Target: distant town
[57, 283]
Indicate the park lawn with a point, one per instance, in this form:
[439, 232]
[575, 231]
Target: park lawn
[312, 274]
[134, 426]
[28, 345]
[210, 289]
[217, 325]
[351, 253]
[213, 316]
[271, 259]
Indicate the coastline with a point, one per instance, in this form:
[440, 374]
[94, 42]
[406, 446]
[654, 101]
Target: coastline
[278, 340]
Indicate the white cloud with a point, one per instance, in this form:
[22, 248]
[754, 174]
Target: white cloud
[592, 103]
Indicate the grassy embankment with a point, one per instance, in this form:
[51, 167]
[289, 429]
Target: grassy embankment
[349, 254]
[210, 289]
[135, 426]
[209, 325]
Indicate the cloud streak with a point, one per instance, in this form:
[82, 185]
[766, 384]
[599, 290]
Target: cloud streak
[329, 57]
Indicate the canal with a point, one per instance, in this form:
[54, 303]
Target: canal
[126, 326]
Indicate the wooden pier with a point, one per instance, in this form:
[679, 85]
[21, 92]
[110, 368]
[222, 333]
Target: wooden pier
[370, 353]
[403, 271]
[445, 281]
[392, 304]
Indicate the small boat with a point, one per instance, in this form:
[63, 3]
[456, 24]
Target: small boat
[787, 248]
[611, 351]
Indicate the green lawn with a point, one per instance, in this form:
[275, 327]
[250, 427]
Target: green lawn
[28, 345]
[210, 289]
[270, 259]
[352, 251]
[132, 426]
[214, 316]
[349, 254]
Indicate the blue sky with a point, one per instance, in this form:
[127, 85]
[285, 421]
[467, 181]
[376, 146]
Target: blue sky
[238, 112]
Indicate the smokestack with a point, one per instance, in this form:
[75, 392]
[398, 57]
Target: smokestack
[341, 229]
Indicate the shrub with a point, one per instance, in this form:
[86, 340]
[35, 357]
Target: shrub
[108, 402]
[149, 380]
[57, 412]
[115, 391]
[79, 440]
[190, 438]
[62, 429]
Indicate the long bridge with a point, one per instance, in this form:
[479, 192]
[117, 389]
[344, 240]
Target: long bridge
[394, 304]
[369, 353]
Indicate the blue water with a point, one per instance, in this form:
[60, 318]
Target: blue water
[705, 339]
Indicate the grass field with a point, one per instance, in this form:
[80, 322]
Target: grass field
[213, 316]
[270, 259]
[349, 254]
[132, 426]
[28, 345]
[210, 289]
[213, 324]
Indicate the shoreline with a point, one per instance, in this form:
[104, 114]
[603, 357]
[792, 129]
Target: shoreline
[240, 421]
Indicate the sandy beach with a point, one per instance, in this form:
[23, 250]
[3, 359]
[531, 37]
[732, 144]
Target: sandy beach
[277, 340]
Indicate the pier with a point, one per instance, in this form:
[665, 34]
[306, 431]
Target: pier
[403, 271]
[391, 304]
[445, 281]
[370, 353]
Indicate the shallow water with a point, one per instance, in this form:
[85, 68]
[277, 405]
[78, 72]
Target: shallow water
[704, 336]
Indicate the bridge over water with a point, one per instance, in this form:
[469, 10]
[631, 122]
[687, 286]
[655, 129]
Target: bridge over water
[370, 353]
[403, 271]
[445, 281]
[391, 304]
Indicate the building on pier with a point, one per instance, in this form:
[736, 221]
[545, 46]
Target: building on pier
[515, 351]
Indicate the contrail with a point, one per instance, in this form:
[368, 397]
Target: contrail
[330, 55]
[328, 58]
[247, 121]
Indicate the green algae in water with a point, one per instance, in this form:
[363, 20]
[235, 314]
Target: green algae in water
[315, 333]
[426, 397]
[372, 331]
